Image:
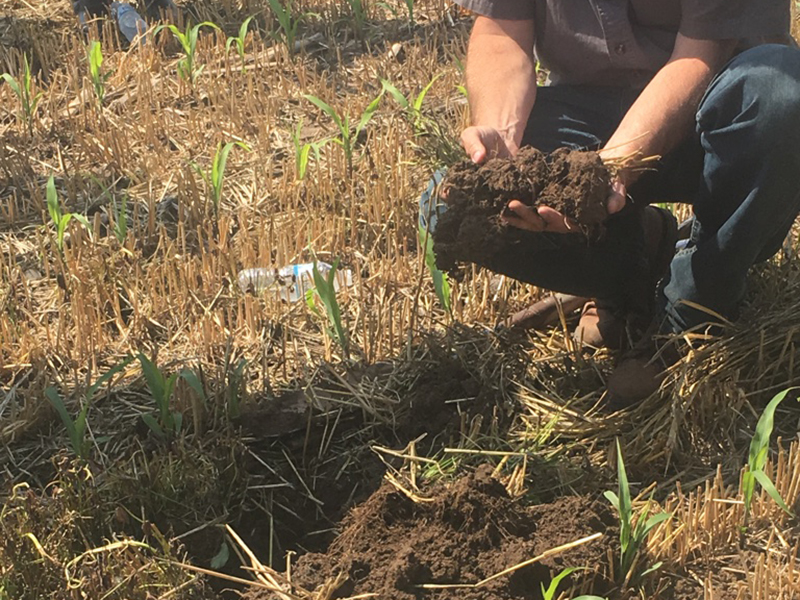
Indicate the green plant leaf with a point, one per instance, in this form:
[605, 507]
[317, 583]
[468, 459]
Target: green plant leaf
[61, 230]
[328, 110]
[152, 423]
[759, 445]
[396, 94]
[221, 558]
[441, 283]
[52, 201]
[770, 488]
[243, 28]
[326, 291]
[625, 510]
[235, 380]
[169, 387]
[121, 219]
[218, 167]
[66, 418]
[421, 97]
[13, 84]
[368, 113]
[107, 376]
[302, 161]
[177, 420]
[613, 499]
[652, 569]
[95, 58]
[194, 382]
[156, 382]
[652, 522]
[549, 593]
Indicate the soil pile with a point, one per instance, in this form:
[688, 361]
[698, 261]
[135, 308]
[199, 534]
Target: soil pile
[465, 532]
[572, 182]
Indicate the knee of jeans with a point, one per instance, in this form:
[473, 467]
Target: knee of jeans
[765, 84]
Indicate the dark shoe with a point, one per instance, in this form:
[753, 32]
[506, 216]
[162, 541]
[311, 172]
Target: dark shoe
[640, 374]
[600, 327]
[606, 324]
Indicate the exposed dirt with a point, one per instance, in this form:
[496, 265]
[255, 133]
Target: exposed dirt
[465, 532]
[574, 183]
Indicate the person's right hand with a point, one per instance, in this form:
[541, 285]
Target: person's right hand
[483, 143]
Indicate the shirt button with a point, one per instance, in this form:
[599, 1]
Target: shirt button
[620, 48]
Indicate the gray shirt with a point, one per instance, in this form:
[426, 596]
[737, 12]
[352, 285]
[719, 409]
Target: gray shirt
[624, 42]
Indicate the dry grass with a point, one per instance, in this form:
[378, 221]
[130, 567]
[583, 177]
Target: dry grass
[168, 289]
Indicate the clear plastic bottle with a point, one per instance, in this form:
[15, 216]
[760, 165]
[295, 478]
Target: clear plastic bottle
[130, 22]
[291, 282]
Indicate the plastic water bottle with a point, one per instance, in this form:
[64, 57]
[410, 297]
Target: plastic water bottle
[130, 22]
[291, 282]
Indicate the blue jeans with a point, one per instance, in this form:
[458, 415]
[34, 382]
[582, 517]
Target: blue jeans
[740, 171]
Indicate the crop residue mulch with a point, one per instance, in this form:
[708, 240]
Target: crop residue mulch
[575, 183]
[465, 532]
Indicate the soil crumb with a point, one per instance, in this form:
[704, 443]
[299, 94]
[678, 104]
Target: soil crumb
[463, 533]
[576, 183]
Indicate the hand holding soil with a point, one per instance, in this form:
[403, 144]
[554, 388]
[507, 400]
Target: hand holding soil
[481, 143]
[544, 218]
[493, 205]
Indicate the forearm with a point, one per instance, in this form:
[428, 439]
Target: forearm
[663, 115]
[501, 76]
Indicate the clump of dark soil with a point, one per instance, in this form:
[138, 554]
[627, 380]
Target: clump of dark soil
[575, 183]
[391, 545]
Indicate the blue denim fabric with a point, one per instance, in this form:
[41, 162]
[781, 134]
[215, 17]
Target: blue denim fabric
[748, 196]
[741, 172]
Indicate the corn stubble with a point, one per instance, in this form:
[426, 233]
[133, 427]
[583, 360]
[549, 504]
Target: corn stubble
[150, 268]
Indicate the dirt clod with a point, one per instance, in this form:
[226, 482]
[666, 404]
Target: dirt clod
[573, 182]
[465, 532]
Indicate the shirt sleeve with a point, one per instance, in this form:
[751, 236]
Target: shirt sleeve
[734, 19]
[514, 10]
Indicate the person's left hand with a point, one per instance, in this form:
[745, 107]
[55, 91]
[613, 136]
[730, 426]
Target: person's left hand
[544, 218]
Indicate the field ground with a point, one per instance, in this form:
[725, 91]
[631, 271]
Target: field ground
[466, 451]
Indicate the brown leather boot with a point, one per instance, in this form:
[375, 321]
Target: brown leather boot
[640, 373]
[606, 324]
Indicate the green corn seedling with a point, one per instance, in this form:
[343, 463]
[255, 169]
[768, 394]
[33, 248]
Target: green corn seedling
[121, 220]
[631, 534]
[239, 40]
[302, 152]
[187, 67]
[410, 9]
[235, 382]
[161, 388]
[214, 177]
[411, 105]
[441, 283]
[23, 89]
[76, 428]
[61, 220]
[549, 592]
[359, 13]
[757, 460]
[95, 56]
[326, 290]
[347, 136]
[287, 22]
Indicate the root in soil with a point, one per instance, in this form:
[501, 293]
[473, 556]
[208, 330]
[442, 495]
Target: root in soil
[573, 182]
[462, 533]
